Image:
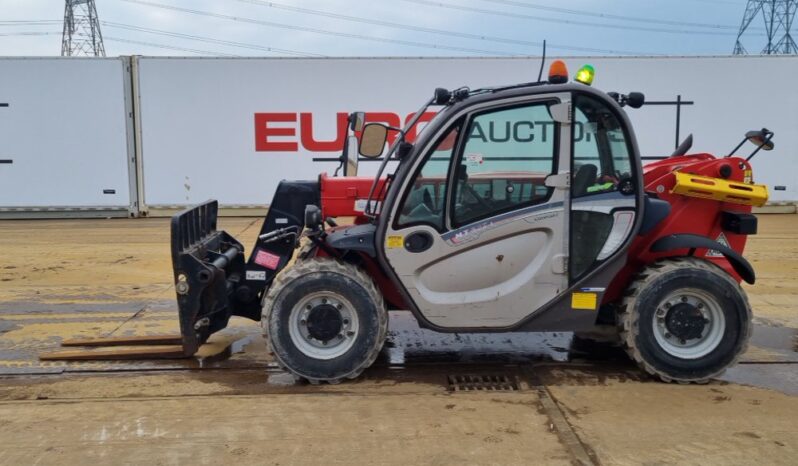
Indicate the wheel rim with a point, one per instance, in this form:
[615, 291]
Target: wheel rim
[323, 325]
[689, 323]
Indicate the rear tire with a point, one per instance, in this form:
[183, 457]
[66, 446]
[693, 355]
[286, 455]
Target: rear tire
[685, 320]
[324, 320]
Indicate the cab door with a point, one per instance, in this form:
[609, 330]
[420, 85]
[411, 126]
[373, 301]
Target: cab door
[478, 237]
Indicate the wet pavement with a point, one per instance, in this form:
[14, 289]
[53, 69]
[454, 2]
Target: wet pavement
[771, 361]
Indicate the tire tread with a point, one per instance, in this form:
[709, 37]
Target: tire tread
[628, 318]
[329, 265]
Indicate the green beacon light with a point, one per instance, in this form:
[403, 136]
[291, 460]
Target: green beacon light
[585, 75]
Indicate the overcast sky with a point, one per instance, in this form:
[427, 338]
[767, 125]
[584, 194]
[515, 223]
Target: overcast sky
[388, 27]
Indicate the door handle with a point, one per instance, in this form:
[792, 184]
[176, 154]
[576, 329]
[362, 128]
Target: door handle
[419, 241]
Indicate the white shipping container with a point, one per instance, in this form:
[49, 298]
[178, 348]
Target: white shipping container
[64, 134]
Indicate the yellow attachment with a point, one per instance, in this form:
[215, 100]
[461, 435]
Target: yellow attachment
[720, 190]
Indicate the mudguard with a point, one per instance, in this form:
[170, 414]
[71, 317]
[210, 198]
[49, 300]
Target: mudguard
[690, 241]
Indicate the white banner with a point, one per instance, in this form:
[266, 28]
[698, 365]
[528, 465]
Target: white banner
[231, 129]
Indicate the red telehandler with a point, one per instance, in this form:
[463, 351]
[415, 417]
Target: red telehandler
[517, 208]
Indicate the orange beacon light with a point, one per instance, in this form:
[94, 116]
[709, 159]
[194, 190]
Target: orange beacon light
[558, 72]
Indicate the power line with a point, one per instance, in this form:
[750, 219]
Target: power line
[209, 40]
[464, 35]
[29, 33]
[508, 14]
[161, 46]
[30, 22]
[319, 31]
[115, 39]
[594, 14]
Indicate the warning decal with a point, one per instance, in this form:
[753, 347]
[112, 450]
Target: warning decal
[722, 240]
[267, 259]
[584, 301]
[395, 241]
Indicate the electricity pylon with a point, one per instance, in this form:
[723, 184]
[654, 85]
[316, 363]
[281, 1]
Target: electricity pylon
[82, 34]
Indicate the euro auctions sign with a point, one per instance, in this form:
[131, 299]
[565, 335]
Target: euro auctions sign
[287, 132]
[232, 128]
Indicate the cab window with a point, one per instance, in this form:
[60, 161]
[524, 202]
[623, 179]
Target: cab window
[506, 156]
[424, 202]
[601, 151]
[601, 161]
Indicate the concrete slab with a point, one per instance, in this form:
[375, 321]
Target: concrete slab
[654, 423]
[347, 429]
[95, 278]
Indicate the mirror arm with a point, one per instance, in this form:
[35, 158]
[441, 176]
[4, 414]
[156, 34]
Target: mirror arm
[343, 157]
[399, 139]
[736, 148]
[767, 140]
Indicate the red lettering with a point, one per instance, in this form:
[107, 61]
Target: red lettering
[263, 132]
[268, 137]
[309, 143]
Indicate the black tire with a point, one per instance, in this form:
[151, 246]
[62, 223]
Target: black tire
[306, 251]
[638, 316]
[324, 275]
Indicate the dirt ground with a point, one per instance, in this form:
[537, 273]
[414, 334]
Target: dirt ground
[563, 404]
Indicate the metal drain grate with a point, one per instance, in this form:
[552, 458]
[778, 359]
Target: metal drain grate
[493, 383]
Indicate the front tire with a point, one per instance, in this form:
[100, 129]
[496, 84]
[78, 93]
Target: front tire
[685, 320]
[324, 320]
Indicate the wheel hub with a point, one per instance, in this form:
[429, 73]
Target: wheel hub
[689, 323]
[323, 325]
[324, 322]
[685, 321]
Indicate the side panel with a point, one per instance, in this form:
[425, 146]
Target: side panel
[509, 272]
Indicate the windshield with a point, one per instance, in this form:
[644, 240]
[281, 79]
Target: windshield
[372, 208]
[438, 116]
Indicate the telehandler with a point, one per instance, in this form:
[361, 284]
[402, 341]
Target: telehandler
[516, 208]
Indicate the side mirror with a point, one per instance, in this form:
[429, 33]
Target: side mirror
[372, 140]
[356, 121]
[762, 139]
[350, 167]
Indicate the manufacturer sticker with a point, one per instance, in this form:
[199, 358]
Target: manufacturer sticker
[722, 240]
[474, 160]
[394, 241]
[267, 259]
[584, 301]
[256, 275]
[360, 205]
[281, 221]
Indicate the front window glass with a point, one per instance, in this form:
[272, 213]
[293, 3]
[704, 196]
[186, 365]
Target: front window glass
[424, 203]
[503, 166]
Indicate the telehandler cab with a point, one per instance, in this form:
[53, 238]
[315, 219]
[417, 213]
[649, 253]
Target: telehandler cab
[517, 208]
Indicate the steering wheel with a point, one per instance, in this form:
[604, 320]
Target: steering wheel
[427, 199]
[480, 200]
